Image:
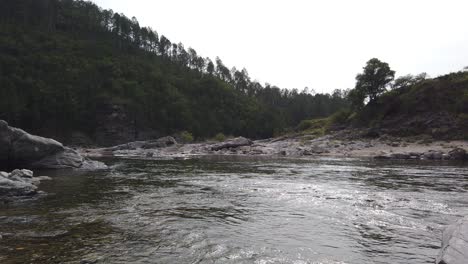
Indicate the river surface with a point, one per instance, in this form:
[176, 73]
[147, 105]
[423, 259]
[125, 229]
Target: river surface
[237, 210]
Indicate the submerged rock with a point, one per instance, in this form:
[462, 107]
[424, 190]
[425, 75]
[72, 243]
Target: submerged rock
[455, 244]
[232, 143]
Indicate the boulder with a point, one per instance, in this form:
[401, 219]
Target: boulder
[454, 244]
[17, 183]
[232, 143]
[401, 156]
[458, 154]
[433, 155]
[383, 157]
[160, 143]
[23, 150]
[67, 158]
[5, 139]
[314, 151]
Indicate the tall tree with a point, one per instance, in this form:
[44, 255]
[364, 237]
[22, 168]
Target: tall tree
[164, 46]
[375, 78]
[210, 67]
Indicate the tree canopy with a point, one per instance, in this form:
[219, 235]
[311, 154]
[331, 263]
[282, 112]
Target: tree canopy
[62, 60]
[375, 78]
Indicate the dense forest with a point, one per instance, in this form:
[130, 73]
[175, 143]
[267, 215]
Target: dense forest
[65, 62]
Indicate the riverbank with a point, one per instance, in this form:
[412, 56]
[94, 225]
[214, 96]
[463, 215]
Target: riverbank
[347, 143]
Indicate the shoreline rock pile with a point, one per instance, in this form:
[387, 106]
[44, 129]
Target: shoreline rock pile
[454, 154]
[19, 183]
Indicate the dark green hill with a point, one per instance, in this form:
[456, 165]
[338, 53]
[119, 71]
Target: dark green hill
[69, 67]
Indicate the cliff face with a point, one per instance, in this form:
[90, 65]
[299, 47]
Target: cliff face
[114, 125]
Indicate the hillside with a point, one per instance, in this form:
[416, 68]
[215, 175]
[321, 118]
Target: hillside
[75, 72]
[436, 107]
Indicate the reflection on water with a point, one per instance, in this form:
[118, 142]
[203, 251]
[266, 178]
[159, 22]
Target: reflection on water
[234, 210]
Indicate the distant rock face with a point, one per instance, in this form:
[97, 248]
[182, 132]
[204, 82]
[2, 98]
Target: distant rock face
[455, 244]
[19, 149]
[114, 125]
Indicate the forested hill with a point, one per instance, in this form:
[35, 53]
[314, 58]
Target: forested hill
[435, 107]
[69, 66]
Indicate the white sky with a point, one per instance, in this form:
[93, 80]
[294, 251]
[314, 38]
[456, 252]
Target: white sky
[321, 44]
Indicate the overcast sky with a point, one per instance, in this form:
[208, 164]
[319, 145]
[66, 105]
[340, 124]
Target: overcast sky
[320, 44]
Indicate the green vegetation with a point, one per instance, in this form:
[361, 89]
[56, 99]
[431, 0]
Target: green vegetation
[371, 83]
[220, 137]
[415, 105]
[314, 127]
[65, 63]
[62, 61]
[186, 137]
[418, 105]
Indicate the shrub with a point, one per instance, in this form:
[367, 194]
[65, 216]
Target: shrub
[340, 117]
[186, 136]
[220, 137]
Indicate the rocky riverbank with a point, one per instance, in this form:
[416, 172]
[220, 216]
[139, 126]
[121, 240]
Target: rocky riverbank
[349, 143]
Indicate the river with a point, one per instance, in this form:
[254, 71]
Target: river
[238, 210]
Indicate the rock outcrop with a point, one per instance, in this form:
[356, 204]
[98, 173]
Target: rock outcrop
[232, 143]
[18, 149]
[150, 144]
[18, 183]
[458, 154]
[455, 244]
[114, 125]
[454, 154]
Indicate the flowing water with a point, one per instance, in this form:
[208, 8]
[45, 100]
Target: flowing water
[234, 210]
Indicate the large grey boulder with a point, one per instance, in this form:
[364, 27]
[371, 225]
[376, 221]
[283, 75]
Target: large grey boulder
[18, 149]
[232, 143]
[455, 244]
[64, 159]
[5, 139]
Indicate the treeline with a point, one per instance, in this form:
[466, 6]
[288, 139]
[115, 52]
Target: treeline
[61, 60]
